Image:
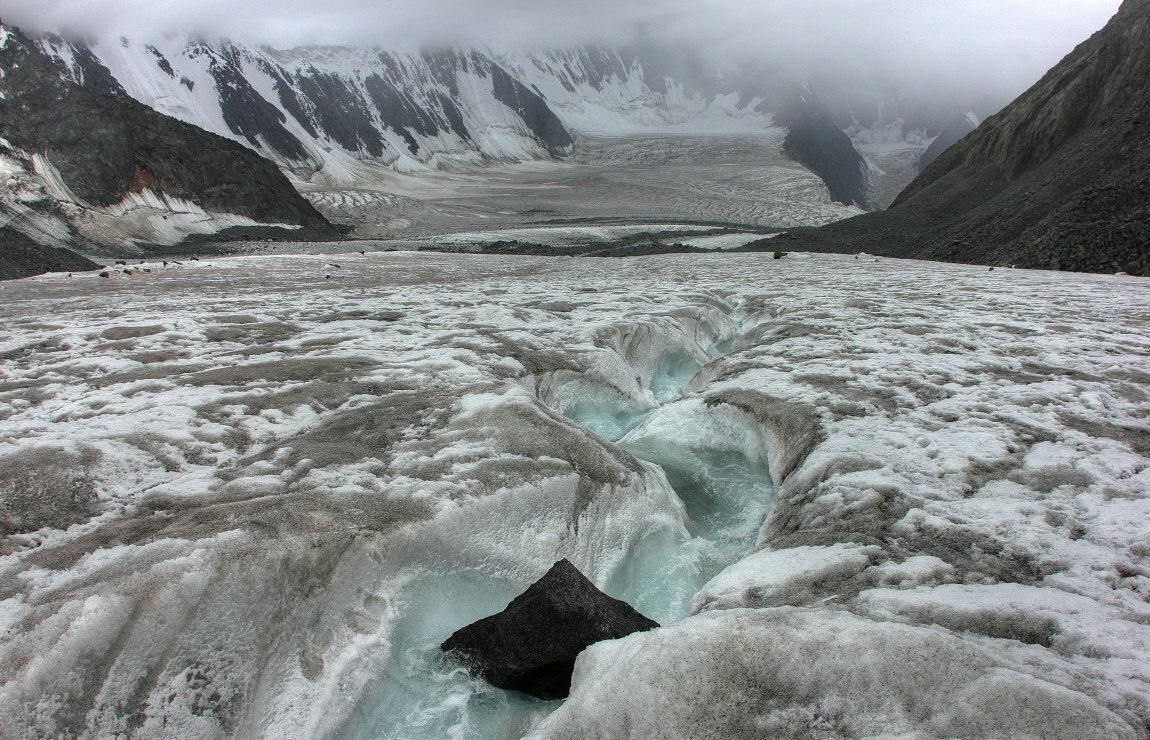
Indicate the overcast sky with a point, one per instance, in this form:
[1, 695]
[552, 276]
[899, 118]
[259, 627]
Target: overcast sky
[1002, 44]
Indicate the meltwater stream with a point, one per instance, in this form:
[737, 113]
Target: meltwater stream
[726, 496]
[424, 694]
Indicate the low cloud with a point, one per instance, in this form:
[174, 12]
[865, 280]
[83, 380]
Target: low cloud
[998, 47]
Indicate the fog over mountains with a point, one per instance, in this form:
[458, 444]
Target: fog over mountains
[1056, 180]
[945, 50]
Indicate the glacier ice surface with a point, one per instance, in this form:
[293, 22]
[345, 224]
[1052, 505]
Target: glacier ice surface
[287, 472]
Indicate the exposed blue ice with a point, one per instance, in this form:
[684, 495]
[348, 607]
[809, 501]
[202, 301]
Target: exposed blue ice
[672, 376]
[727, 499]
[726, 496]
[606, 419]
[424, 694]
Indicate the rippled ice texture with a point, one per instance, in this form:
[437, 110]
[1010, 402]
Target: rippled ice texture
[225, 489]
[742, 179]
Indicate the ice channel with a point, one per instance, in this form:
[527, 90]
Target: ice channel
[424, 694]
[716, 463]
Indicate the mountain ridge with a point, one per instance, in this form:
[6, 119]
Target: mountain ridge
[329, 115]
[90, 168]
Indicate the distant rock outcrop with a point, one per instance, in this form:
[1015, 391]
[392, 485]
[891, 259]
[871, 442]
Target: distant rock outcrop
[531, 645]
[819, 144]
[1059, 179]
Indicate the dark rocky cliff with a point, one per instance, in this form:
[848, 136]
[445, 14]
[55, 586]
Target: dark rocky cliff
[106, 145]
[533, 109]
[1059, 179]
[819, 144]
[815, 139]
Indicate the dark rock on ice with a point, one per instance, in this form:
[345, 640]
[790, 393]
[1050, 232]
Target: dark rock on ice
[531, 645]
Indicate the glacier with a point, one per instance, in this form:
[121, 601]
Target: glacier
[346, 116]
[395, 144]
[359, 119]
[740, 180]
[867, 496]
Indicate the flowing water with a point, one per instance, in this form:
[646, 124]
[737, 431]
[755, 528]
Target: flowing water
[727, 499]
[726, 496]
[426, 695]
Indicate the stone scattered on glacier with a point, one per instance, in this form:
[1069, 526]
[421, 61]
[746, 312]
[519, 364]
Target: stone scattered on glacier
[531, 645]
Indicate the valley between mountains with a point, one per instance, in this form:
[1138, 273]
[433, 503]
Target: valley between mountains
[312, 357]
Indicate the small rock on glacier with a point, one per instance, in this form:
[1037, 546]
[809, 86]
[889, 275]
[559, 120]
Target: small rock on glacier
[531, 645]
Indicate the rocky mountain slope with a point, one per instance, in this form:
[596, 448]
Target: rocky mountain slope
[958, 129]
[20, 257]
[333, 115]
[89, 167]
[336, 116]
[1059, 179]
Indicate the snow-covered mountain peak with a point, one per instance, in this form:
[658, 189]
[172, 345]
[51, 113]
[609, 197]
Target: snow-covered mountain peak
[326, 112]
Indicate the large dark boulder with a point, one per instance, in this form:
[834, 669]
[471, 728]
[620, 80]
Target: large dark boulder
[531, 645]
